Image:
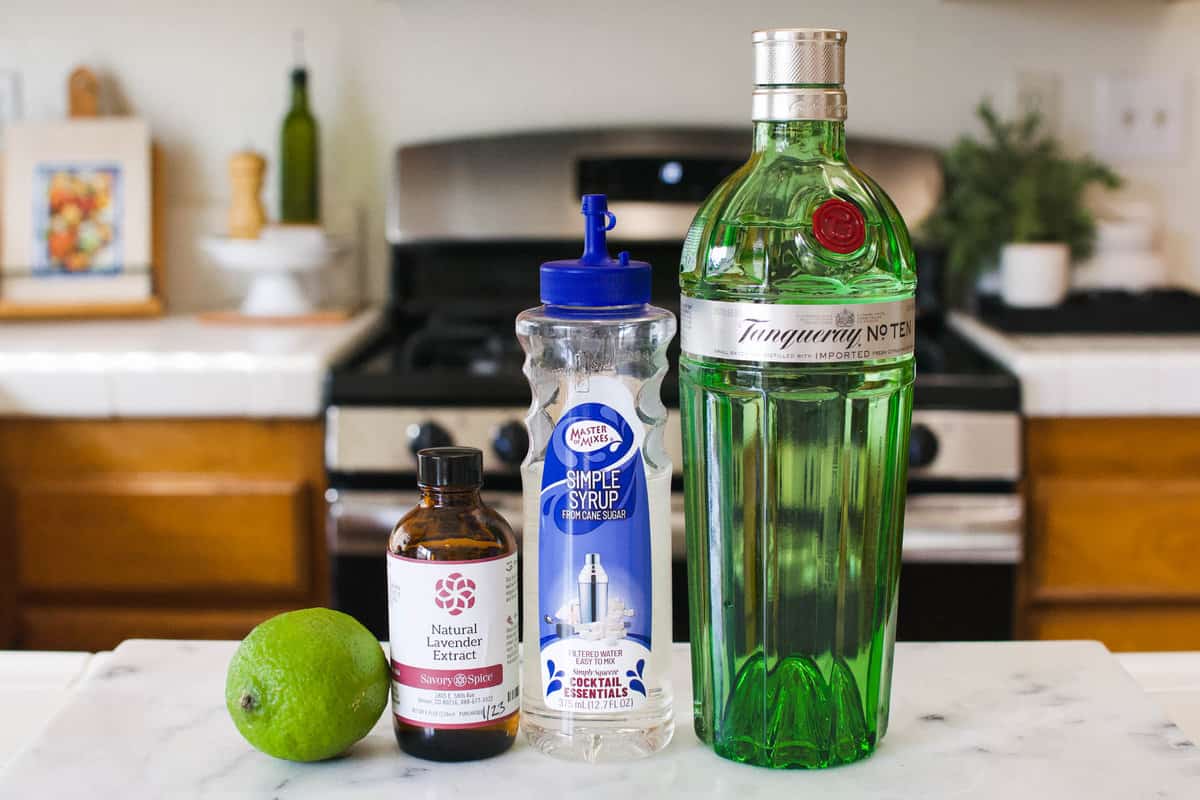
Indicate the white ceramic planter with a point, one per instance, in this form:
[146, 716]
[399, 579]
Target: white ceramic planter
[1035, 275]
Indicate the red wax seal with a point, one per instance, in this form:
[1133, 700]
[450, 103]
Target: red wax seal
[839, 226]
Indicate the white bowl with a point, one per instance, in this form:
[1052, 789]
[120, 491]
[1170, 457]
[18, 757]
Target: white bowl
[274, 253]
[275, 261]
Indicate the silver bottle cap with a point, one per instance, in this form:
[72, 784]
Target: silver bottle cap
[790, 56]
[798, 74]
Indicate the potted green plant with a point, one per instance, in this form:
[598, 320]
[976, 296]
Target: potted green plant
[1015, 198]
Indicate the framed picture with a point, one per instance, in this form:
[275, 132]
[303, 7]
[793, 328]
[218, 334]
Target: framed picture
[75, 237]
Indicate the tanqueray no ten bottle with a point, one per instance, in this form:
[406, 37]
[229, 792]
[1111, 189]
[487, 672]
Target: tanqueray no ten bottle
[796, 380]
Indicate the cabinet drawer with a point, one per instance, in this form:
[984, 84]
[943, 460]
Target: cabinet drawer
[1115, 538]
[1138, 447]
[164, 535]
[103, 628]
[1120, 628]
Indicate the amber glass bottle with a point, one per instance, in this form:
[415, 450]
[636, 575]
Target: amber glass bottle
[452, 610]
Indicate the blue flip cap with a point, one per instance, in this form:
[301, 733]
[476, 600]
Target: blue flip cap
[595, 280]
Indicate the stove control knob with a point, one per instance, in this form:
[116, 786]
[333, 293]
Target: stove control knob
[922, 446]
[427, 434]
[511, 442]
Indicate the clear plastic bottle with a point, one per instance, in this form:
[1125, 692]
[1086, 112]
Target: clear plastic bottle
[597, 479]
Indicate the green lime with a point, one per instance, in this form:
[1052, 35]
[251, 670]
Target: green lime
[307, 684]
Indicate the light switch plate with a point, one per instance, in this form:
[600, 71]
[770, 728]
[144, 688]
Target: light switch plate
[1140, 117]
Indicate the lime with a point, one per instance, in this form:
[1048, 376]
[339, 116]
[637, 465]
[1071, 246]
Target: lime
[307, 684]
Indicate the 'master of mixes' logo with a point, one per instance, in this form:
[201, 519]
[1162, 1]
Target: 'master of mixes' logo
[588, 435]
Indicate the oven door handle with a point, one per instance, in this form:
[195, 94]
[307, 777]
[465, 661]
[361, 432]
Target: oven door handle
[938, 528]
[963, 528]
[359, 522]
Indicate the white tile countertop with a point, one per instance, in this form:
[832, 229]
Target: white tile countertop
[173, 366]
[1095, 375]
[985, 720]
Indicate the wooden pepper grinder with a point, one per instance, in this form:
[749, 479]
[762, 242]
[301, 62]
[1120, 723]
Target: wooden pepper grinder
[246, 214]
[83, 93]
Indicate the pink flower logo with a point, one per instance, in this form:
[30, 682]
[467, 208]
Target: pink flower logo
[454, 593]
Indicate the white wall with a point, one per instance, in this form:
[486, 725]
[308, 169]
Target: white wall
[211, 78]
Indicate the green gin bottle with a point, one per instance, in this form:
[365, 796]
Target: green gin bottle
[796, 383]
[299, 166]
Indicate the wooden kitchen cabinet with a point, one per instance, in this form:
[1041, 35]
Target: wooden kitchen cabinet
[8, 582]
[1113, 541]
[158, 528]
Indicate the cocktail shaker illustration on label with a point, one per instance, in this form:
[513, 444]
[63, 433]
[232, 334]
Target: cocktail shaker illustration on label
[593, 589]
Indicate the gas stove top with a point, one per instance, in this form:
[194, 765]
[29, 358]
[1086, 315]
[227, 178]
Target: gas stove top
[452, 375]
[453, 356]
[467, 355]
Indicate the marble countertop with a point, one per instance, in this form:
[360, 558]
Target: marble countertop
[1095, 375]
[1002, 720]
[173, 366]
[34, 686]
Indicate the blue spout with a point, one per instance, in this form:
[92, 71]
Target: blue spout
[599, 221]
[594, 280]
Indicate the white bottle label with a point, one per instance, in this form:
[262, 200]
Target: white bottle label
[453, 630]
[796, 334]
[594, 572]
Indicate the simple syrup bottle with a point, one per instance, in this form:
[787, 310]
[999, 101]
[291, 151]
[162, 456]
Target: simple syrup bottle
[796, 382]
[452, 614]
[597, 537]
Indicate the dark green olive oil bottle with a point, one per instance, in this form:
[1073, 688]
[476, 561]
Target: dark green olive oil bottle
[299, 162]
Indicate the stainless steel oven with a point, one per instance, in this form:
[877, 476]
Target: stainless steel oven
[470, 220]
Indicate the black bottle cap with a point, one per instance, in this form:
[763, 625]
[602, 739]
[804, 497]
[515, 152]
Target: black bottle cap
[450, 467]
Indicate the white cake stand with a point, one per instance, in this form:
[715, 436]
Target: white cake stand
[276, 261]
